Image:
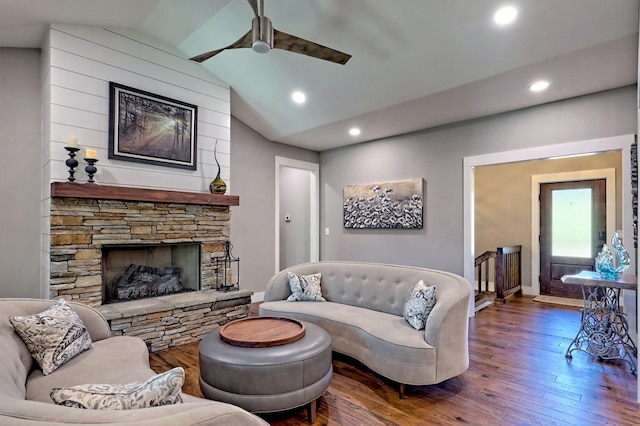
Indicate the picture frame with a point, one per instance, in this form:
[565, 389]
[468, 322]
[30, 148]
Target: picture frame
[151, 129]
[384, 205]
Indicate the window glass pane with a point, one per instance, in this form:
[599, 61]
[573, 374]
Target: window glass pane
[571, 222]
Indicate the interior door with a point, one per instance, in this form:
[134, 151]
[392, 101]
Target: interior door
[295, 214]
[572, 231]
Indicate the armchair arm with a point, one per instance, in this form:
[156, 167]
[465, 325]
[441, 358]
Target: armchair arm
[30, 413]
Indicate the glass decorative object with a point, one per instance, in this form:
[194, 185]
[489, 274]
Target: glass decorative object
[605, 265]
[217, 186]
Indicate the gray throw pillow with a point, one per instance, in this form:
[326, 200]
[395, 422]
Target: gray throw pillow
[161, 389]
[419, 305]
[53, 336]
[305, 287]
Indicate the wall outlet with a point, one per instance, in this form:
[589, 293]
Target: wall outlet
[287, 218]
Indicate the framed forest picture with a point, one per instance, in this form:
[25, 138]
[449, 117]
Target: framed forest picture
[152, 129]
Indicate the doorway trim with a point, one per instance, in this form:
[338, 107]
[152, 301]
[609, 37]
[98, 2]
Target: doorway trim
[314, 206]
[608, 174]
[622, 143]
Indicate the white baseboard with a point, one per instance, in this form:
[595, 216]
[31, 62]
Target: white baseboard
[257, 297]
[528, 291]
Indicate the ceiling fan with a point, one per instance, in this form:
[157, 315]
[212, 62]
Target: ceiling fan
[263, 37]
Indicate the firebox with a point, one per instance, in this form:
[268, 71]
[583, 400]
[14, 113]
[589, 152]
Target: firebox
[138, 271]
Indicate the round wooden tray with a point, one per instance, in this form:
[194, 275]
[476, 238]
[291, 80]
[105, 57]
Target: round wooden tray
[262, 332]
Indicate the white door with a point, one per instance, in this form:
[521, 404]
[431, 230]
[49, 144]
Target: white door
[295, 216]
[297, 212]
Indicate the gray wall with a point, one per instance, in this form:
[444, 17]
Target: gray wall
[436, 155]
[20, 166]
[295, 237]
[253, 227]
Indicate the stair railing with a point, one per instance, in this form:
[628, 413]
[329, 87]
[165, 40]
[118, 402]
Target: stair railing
[507, 272]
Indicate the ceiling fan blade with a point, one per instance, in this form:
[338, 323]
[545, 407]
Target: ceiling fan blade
[295, 44]
[244, 41]
[254, 6]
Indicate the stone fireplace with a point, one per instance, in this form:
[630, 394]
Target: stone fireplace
[98, 231]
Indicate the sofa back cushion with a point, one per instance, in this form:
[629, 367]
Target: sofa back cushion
[380, 287]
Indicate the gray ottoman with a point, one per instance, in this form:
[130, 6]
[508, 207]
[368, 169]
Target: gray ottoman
[265, 380]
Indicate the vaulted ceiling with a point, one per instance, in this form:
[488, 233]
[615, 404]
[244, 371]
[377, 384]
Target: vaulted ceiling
[416, 63]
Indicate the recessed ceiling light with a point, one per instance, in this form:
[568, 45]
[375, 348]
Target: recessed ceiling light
[354, 131]
[298, 97]
[539, 86]
[505, 15]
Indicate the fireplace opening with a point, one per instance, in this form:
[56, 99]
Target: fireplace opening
[138, 271]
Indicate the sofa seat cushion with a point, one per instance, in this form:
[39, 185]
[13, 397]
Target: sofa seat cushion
[117, 360]
[385, 335]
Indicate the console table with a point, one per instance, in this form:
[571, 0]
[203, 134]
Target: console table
[604, 331]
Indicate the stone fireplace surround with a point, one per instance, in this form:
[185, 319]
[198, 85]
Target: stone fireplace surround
[84, 217]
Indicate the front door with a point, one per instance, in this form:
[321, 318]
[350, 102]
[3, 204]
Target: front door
[572, 231]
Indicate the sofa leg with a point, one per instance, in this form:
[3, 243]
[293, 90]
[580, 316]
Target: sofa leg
[311, 411]
[401, 391]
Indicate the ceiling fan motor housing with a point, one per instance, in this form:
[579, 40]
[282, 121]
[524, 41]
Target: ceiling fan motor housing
[262, 34]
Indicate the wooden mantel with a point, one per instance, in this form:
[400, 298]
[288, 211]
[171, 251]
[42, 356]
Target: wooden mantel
[122, 193]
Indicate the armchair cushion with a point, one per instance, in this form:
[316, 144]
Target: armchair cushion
[161, 389]
[53, 336]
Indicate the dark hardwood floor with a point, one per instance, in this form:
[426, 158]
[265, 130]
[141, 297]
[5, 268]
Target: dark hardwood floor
[517, 376]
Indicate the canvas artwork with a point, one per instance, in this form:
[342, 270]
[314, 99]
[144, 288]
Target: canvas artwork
[396, 204]
[152, 129]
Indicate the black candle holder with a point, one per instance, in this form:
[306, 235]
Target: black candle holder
[91, 169]
[71, 162]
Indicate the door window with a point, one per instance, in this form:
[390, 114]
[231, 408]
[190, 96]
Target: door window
[571, 222]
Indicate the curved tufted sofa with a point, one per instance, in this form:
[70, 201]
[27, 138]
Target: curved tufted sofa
[24, 390]
[364, 316]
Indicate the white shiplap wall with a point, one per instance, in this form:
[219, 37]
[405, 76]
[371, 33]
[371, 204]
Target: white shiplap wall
[78, 63]
[85, 59]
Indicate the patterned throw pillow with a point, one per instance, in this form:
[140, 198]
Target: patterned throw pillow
[161, 389]
[305, 287]
[419, 305]
[54, 336]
